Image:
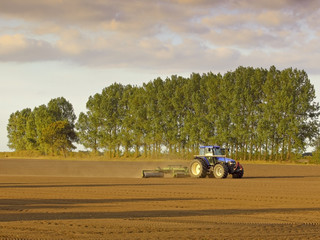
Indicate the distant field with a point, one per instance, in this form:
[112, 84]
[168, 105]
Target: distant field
[52, 199]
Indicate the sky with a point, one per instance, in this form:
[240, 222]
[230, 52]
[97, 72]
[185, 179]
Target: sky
[75, 48]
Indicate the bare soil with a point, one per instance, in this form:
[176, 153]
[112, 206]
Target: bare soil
[48, 199]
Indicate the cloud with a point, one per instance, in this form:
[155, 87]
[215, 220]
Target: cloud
[19, 48]
[12, 43]
[71, 42]
[179, 34]
[273, 18]
[297, 6]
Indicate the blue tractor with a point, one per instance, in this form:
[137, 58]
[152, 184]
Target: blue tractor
[212, 162]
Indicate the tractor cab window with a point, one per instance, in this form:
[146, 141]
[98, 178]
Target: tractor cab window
[201, 151]
[218, 151]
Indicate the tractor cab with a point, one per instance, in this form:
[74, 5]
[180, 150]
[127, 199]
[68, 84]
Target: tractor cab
[213, 154]
[211, 151]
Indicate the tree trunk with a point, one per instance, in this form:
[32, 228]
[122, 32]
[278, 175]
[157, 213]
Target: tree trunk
[289, 149]
[145, 149]
[137, 152]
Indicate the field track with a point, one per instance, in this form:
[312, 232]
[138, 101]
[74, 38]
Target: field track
[50, 199]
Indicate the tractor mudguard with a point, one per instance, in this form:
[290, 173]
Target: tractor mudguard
[205, 160]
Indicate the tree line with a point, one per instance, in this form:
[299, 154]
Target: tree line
[49, 128]
[256, 113]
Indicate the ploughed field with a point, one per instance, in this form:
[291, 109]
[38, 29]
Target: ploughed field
[49, 199]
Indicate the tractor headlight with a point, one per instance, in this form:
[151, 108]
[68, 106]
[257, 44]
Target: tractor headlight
[231, 163]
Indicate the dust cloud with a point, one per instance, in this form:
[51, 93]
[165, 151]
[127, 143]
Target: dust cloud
[64, 168]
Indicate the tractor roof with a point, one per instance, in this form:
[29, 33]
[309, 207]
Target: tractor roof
[210, 146]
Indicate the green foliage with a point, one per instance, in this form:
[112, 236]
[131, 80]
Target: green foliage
[32, 130]
[257, 113]
[16, 128]
[59, 136]
[88, 127]
[61, 110]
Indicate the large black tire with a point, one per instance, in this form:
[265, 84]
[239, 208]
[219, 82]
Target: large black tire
[198, 168]
[220, 171]
[239, 173]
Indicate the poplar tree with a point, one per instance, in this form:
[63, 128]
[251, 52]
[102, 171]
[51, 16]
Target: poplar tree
[111, 118]
[88, 131]
[16, 128]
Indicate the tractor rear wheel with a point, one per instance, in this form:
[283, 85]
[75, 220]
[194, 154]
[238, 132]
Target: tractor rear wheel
[220, 171]
[198, 168]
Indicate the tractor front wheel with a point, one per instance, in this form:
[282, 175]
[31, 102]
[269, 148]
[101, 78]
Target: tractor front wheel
[220, 171]
[198, 168]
